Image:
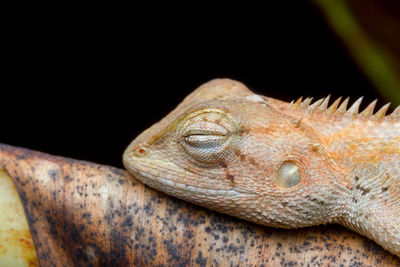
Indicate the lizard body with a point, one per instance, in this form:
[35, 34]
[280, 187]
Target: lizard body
[277, 164]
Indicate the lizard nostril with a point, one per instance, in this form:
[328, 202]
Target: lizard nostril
[140, 151]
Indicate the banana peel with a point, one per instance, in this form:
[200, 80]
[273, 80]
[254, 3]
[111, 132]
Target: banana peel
[84, 214]
[16, 244]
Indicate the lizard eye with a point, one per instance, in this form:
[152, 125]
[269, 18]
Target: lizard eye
[208, 137]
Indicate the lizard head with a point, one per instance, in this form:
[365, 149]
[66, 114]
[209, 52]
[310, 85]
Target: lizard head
[227, 149]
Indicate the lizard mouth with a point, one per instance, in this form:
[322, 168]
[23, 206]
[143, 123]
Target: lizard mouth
[177, 188]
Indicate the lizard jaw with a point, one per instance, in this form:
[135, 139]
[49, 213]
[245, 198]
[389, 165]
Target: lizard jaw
[169, 186]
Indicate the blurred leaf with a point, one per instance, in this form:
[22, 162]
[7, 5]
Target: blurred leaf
[371, 33]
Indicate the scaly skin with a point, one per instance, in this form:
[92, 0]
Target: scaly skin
[277, 164]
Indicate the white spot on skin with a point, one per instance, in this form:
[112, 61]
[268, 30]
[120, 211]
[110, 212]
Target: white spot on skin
[255, 98]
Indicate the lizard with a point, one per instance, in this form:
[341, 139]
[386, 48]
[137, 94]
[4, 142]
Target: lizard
[278, 164]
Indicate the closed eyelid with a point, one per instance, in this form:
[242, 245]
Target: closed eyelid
[208, 136]
[203, 127]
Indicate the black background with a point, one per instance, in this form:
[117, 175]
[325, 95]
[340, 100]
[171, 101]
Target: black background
[83, 83]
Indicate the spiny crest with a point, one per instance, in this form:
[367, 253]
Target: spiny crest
[340, 108]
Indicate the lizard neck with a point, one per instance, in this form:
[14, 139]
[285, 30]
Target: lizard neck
[368, 153]
[373, 206]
